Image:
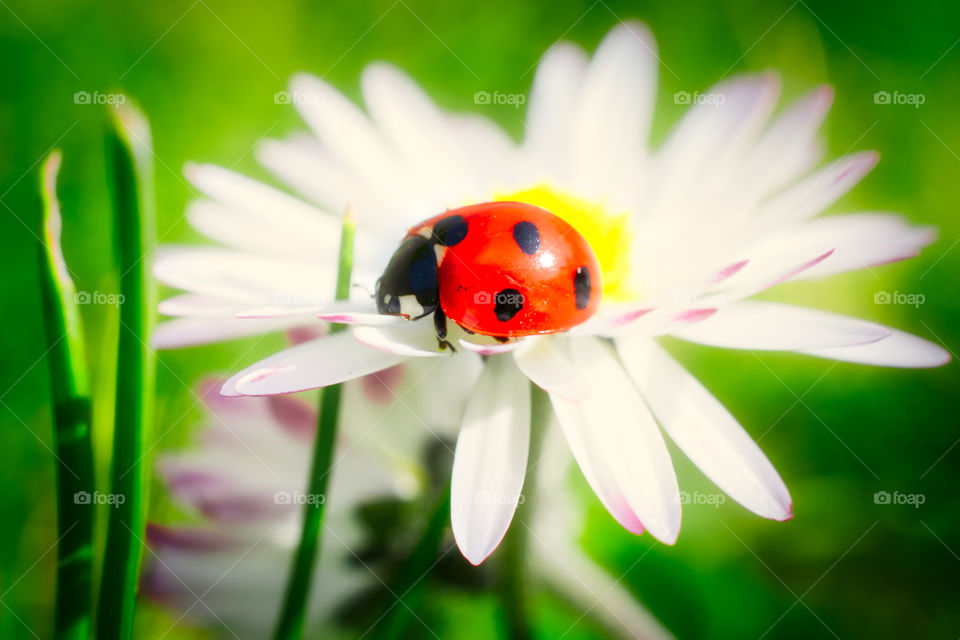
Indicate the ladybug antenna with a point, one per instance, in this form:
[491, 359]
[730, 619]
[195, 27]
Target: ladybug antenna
[363, 287]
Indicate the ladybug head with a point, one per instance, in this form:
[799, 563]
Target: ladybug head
[409, 285]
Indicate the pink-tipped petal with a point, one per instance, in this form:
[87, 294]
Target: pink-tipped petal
[704, 430]
[818, 191]
[900, 349]
[618, 445]
[780, 327]
[490, 459]
[860, 240]
[311, 365]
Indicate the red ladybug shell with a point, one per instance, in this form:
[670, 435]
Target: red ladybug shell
[512, 269]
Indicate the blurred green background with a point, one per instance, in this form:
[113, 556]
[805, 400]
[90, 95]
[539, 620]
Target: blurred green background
[205, 73]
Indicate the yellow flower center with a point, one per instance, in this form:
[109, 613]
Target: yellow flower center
[606, 232]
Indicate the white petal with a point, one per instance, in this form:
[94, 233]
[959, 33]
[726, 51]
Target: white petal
[490, 460]
[780, 327]
[348, 134]
[553, 104]
[618, 445]
[416, 338]
[818, 191]
[191, 304]
[615, 108]
[705, 147]
[342, 311]
[704, 430]
[249, 279]
[309, 168]
[765, 272]
[787, 148]
[192, 331]
[318, 363]
[898, 350]
[489, 349]
[546, 361]
[269, 206]
[859, 240]
[417, 130]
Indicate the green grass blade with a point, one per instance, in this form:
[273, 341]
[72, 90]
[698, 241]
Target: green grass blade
[128, 148]
[69, 389]
[290, 623]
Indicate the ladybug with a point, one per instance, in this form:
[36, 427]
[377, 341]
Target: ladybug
[501, 269]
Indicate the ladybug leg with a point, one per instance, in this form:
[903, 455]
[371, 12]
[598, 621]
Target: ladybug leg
[440, 323]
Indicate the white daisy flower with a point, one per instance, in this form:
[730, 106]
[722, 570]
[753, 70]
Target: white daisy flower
[685, 234]
[245, 479]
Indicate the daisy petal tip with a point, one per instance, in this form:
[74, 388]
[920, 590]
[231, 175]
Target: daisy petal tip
[229, 389]
[824, 95]
[489, 349]
[476, 556]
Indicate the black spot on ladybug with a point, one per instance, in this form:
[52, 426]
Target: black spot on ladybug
[450, 230]
[527, 236]
[508, 304]
[581, 287]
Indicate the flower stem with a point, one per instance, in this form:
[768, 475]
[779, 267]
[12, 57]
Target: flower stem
[291, 622]
[514, 587]
[70, 396]
[132, 191]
